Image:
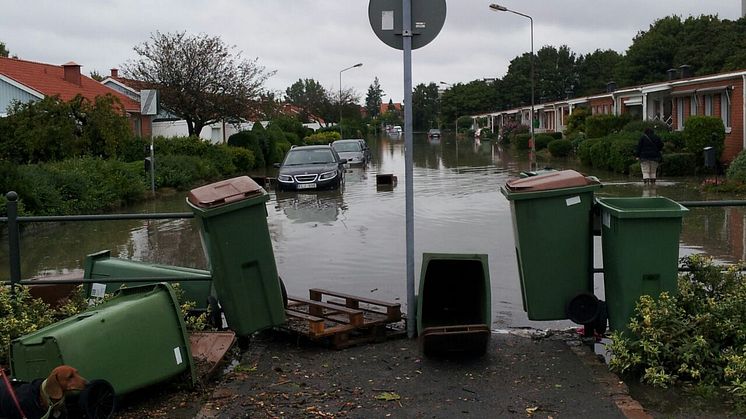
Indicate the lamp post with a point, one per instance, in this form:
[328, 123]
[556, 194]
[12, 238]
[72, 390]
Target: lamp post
[449, 86]
[498, 8]
[340, 94]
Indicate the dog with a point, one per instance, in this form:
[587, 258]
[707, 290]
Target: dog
[42, 395]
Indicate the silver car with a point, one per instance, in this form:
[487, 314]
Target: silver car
[351, 150]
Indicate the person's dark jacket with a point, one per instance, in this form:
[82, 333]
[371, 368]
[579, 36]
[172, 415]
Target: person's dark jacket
[649, 147]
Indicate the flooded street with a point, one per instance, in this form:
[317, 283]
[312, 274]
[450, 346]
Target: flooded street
[353, 240]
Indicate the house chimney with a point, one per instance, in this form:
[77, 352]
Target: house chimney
[115, 72]
[610, 86]
[686, 71]
[72, 72]
[673, 73]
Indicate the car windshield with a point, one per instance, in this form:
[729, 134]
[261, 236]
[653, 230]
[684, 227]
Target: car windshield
[317, 156]
[347, 146]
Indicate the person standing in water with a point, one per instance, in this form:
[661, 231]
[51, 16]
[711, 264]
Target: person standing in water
[648, 152]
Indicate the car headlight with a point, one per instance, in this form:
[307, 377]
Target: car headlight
[328, 175]
[285, 178]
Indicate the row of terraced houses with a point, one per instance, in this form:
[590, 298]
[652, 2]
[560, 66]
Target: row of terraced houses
[672, 101]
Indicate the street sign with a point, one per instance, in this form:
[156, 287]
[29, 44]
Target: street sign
[428, 17]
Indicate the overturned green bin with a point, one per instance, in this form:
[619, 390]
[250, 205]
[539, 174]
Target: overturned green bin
[640, 241]
[453, 305]
[552, 228]
[101, 265]
[136, 339]
[233, 220]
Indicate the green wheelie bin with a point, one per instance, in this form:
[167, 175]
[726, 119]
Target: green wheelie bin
[101, 265]
[552, 228]
[640, 241]
[135, 340]
[232, 215]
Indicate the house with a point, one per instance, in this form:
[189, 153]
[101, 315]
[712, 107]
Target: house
[27, 81]
[672, 101]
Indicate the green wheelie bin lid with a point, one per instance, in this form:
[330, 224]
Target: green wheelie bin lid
[640, 243]
[136, 339]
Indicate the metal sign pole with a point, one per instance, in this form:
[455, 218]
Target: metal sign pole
[408, 158]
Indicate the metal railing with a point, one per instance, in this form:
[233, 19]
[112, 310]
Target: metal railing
[14, 244]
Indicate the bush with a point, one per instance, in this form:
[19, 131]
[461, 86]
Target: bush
[133, 149]
[737, 169]
[520, 141]
[182, 172]
[584, 150]
[698, 336]
[701, 132]
[576, 121]
[322, 138]
[679, 164]
[542, 140]
[673, 141]
[187, 146]
[250, 141]
[20, 316]
[621, 151]
[639, 126]
[560, 148]
[600, 153]
[556, 135]
[598, 126]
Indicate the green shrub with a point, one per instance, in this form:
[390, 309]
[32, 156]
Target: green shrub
[679, 164]
[322, 138]
[182, 172]
[701, 132]
[133, 149]
[639, 126]
[520, 141]
[556, 135]
[673, 141]
[584, 150]
[242, 159]
[542, 140]
[187, 146]
[697, 337]
[737, 169]
[560, 148]
[250, 141]
[600, 154]
[20, 316]
[598, 126]
[621, 151]
[576, 121]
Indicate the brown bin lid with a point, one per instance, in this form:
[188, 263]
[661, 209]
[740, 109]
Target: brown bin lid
[224, 192]
[553, 180]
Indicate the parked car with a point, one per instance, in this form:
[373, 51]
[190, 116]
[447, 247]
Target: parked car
[366, 149]
[351, 150]
[311, 167]
[433, 134]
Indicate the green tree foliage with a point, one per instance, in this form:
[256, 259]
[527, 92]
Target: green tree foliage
[576, 121]
[475, 97]
[737, 168]
[425, 104]
[3, 50]
[556, 73]
[595, 70]
[560, 148]
[51, 130]
[311, 97]
[374, 98]
[199, 77]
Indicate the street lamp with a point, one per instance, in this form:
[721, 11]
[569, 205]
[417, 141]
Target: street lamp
[450, 85]
[340, 94]
[498, 8]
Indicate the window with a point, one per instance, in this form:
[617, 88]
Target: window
[725, 110]
[708, 105]
[680, 113]
[693, 105]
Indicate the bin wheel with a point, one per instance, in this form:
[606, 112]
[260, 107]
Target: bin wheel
[284, 293]
[98, 400]
[599, 325]
[583, 308]
[214, 317]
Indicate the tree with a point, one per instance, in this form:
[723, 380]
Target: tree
[556, 73]
[595, 70]
[311, 97]
[3, 51]
[425, 106]
[374, 98]
[199, 77]
[95, 75]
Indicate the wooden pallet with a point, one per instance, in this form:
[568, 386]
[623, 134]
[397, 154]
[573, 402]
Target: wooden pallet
[340, 319]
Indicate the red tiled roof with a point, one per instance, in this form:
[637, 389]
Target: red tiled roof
[49, 80]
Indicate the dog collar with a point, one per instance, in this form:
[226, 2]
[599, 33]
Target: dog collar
[50, 402]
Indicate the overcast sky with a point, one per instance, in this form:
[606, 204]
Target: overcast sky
[318, 38]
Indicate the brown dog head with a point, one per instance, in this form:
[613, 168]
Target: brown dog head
[63, 379]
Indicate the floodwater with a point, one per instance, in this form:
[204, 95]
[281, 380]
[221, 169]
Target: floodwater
[353, 240]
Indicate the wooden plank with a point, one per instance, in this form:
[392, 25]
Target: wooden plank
[315, 324]
[393, 310]
[316, 308]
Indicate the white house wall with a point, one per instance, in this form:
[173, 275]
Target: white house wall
[212, 133]
[10, 94]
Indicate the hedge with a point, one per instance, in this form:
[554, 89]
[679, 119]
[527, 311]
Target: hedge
[560, 148]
